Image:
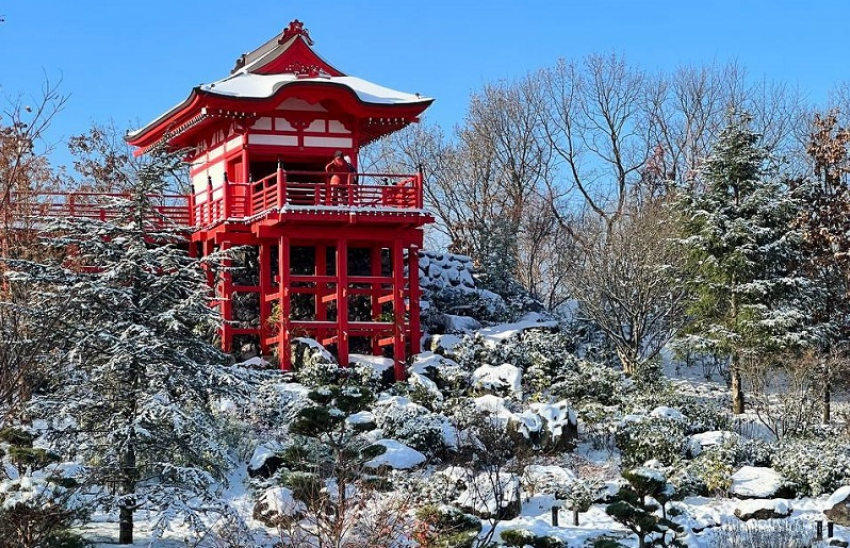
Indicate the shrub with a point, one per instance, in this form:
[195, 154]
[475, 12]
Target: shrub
[410, 424]
[651, 438]
[445, 527]
[765, 534]
[520, 538]
[814, 466]
[16, 436]
[588, 382]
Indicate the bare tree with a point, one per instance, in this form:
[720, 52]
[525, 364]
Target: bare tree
[24, 167]
[628, 280]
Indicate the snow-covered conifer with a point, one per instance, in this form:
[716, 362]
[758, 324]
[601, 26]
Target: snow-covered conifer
[134, 373]
[742, 248]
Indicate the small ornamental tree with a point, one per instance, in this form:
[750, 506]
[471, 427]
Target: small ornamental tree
[637, 513]
[338, 500]
[742, 249]
[134, 373]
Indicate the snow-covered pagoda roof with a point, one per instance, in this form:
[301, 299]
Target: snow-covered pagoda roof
[285, 66]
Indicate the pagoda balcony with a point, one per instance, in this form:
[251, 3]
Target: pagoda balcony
[292, 191]
[282, 191]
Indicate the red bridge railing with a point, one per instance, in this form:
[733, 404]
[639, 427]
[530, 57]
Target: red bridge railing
[94, 205]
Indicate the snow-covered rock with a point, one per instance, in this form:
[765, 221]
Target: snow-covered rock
[264, 461]
[498, 378]
[698, 442]
[451, 323]
[397, 456]
[746, 510]
[756, 482]
[306, 351]
[838, 506]
[277, 505]
[663, 412]
[493, 336]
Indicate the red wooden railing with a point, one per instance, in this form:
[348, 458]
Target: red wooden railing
[282, 191]
[95, 205]
[286, 190]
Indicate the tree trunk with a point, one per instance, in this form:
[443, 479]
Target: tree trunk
[737, 386]
[128, 487]
[827, 402]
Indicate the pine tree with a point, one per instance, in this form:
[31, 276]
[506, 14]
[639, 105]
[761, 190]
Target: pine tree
[743, 251]
[135, 375]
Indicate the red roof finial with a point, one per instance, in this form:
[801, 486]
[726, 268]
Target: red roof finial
[295, 28]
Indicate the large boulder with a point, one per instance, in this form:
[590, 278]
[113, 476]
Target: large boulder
[755, 482]
[700, 442]
[746, 510]
[838, 506]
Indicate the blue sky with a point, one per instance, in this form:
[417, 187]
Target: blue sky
[131, 61]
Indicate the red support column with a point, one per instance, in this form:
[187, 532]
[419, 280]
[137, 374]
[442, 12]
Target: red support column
[342, 300]
[321, 269]
[398, 310]
[284, 337]
[226, 302]
[265, 291]
[413, 296]
[375, 296]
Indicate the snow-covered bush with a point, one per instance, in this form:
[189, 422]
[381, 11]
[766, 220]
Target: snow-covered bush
[814, 466]
[710, 472]
[38, 507]
[651, 438]
[412, 424]
[703, 414]
[585, 382]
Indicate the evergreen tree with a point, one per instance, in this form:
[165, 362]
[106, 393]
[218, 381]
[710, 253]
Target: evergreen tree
[134, 372]
[325, 468]
[742, 249]
[636, 511]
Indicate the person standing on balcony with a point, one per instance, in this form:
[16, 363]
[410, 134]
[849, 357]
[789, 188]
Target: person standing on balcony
[340, 172]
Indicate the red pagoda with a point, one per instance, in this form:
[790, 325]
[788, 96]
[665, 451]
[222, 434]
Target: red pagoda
[333, 262]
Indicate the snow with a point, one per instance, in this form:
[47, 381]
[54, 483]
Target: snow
[495, 335]
[378, 363]
[261, 86]
[838, 496]
[755, 482]
[489, 377]
[751, 506]
[261, 454]
[362, 417]
[667, 413]
[397, 456]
